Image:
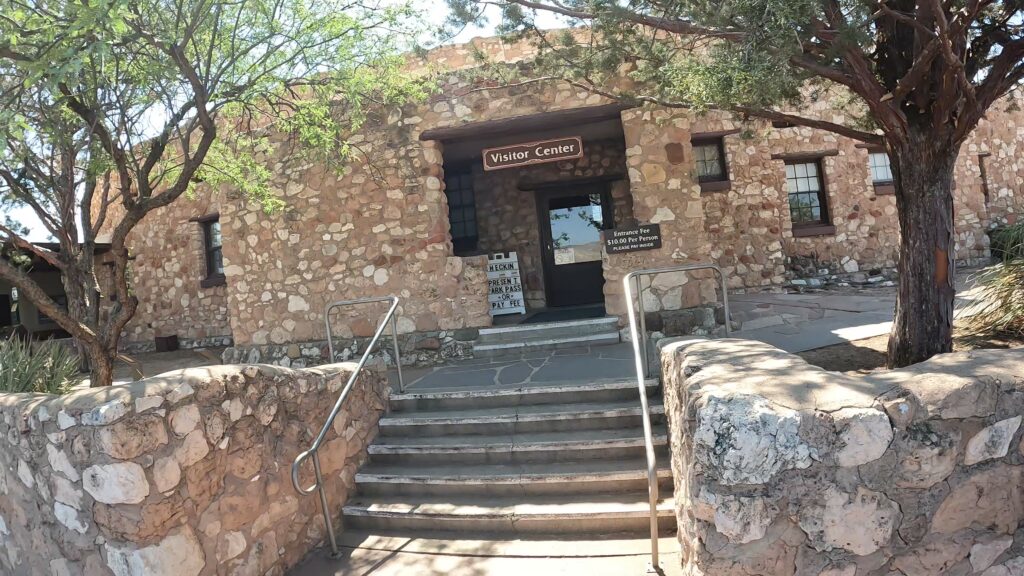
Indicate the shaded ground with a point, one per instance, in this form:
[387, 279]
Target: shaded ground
[869, 354]
[153, 363]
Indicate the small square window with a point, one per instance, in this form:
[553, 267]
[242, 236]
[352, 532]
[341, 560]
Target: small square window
[709, 157]
[881, 170]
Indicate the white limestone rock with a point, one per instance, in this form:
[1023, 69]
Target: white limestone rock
[1012, 567]
[179, 554]
[985, 552]
[744, 439]
[68, 516]
[231, 546]
[65, 420]
[185, 419]
[742, 519]
[118, 483]
[166, 474]
[148, 403]
[193, 449]
[662, 214]
[180, 393]
[25, 474]
[991, 442]
[864, 435]
[60, 567]
[297, 304]
[66, 491]
[60, 462]
[106, 413]
[860, 523]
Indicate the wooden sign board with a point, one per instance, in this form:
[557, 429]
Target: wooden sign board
[504, 285]
[533, 153]
[633, 239]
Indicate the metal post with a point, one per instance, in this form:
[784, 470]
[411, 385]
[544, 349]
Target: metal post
[398, 355]
[638, 334]
[652, 467]
[313, 452]
[324, 505]
[643, 325]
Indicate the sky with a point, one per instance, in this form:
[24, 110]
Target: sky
[37, 233]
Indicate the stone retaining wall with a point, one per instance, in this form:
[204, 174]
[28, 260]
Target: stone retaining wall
[782, 468]
[417, 349]
[182, 474]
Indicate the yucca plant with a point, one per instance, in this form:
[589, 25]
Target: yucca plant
[999, 309]
[41, 367]
[1008, 242]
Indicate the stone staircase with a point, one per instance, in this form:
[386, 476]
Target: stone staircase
[563, 460]
[505, 341]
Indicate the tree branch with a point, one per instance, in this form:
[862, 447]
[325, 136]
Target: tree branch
[28, 288]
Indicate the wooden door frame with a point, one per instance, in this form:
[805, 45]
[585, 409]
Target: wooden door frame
[561, 190]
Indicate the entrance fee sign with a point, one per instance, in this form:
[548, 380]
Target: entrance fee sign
[634, 239]
[533, 153]
[504, 286]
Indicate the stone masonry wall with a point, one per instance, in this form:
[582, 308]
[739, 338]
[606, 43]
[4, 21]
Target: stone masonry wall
[507, 206]
[665, 191]
[381, 228]
[168, 266]
[183, 474]
[782, 468]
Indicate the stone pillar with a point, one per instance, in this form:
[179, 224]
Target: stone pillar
[664, 191]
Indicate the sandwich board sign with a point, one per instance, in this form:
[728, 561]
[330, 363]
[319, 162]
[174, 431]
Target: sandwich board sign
[504, 285]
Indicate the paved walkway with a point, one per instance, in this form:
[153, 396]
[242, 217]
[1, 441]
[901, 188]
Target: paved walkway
[588, 363]
[799, 322]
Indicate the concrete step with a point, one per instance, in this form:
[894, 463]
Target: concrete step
[564, 478]
[525, 347]
[548, 330]
[611, 444]
[521, 419]
[437, 553]
[581, 514]
[604, 391]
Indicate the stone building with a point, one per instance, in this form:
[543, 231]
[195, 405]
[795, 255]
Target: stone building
[418, 215]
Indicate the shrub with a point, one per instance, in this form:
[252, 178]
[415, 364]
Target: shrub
[1007, 243]
[1000, 305]
[36, 367]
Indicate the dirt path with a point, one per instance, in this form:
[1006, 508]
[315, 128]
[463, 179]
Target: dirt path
[869, 354]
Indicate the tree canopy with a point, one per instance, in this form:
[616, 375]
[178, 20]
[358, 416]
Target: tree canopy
[900, 62]
[912, 77]
[112, 109]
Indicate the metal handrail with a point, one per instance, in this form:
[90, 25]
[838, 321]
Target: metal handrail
[639, 338]
[313, 451]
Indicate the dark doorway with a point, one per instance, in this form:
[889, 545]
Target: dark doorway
[5, 310]
[571, 221]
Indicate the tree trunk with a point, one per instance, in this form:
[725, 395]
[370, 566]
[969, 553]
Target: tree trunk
[101, 366]
[923, 322]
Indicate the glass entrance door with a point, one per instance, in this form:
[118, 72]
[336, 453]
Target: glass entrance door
[571, 225]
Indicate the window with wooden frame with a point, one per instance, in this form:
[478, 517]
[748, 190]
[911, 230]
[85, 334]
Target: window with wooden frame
[458, 188]
[709, 158]
[881, 172]
[213, 252]
[808, 199]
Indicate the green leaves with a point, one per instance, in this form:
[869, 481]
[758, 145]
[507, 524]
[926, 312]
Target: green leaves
[116, 84]
[43, 367]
